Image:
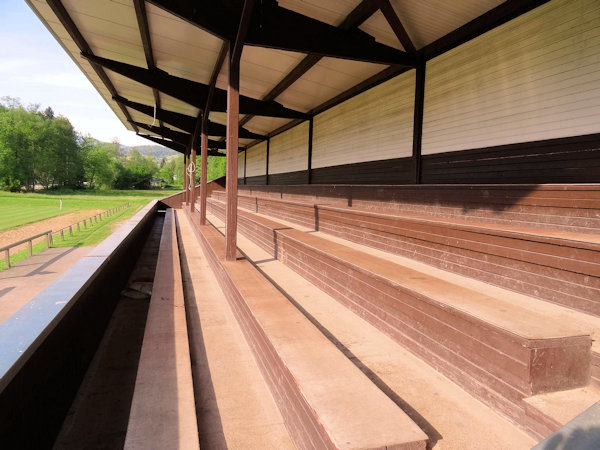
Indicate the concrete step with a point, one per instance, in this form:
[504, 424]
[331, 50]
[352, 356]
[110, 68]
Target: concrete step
[325, 400]
[488, 340]
[233, 404]
[558, 266]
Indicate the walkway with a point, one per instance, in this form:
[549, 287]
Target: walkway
[27, 278]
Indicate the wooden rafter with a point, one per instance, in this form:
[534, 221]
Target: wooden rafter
[360, 14]
[142, 19]
[191, 92]
[273, 26]
[177, 136]
[183, 121]
[396, 25]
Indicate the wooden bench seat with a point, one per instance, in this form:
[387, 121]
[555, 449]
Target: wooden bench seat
[325, 400]
[501, 347]
[163, 412]
[561, 207]
[558, 266]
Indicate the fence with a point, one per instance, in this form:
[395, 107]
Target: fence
[29, 241]
[84, 222]
[49, 234]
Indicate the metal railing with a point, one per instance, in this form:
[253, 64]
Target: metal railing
[50, 234]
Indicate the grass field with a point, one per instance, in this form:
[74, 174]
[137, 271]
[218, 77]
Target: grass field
[17, 210]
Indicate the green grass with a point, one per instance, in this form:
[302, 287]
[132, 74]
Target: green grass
[18, 209]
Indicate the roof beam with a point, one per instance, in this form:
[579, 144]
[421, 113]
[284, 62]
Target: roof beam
[394, 21]
[360, 14]
[182, 121]
[66, 21]
[192, 92]
[178, 136]
[174, 145]
[273, 26]
[142, 19]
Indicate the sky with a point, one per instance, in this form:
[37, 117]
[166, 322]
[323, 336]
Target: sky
[35, 69]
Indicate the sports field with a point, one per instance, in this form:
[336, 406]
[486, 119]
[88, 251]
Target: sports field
[24, 215]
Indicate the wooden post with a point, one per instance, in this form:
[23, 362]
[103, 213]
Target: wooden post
[62, 235]
[7, 258]
[231, 186]
[78, 227]
[30, 247]
[418, 121]
[267, 163]
[185, 177]
[310, 146]
[203, 171]
[193, 178]
[48, 240]
[71, 230]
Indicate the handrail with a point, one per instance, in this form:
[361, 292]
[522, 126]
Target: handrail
[14, 244]
[48, 234]
[29, 240]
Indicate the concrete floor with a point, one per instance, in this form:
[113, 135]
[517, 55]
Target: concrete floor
[29, 277]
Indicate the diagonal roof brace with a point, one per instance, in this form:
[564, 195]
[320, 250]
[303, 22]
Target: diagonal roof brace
[273, 26]
[182, 121]
[192, 92]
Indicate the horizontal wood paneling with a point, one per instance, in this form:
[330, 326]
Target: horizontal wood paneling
[533, 78]
[241, 156]
[256, 160]
[298, 177]
[573, 159]
[288, 151]
[258, 180]
[374, 125]
[389, 171]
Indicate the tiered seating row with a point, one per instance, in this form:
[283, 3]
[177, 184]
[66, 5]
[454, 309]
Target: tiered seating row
[325, 400]
[470, 336]
[560, 207]
[558, 266]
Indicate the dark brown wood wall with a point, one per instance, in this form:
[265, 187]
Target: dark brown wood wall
[565, 160]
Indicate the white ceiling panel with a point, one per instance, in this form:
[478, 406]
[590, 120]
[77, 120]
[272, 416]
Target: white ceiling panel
[172, 104]
[378, 27]
[261, 69]
[180, 48]
[264, 125]
[328, 78]
[332, 12]
[427, 21]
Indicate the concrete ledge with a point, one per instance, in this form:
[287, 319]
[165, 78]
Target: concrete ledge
[163, 412]
[47, 345]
